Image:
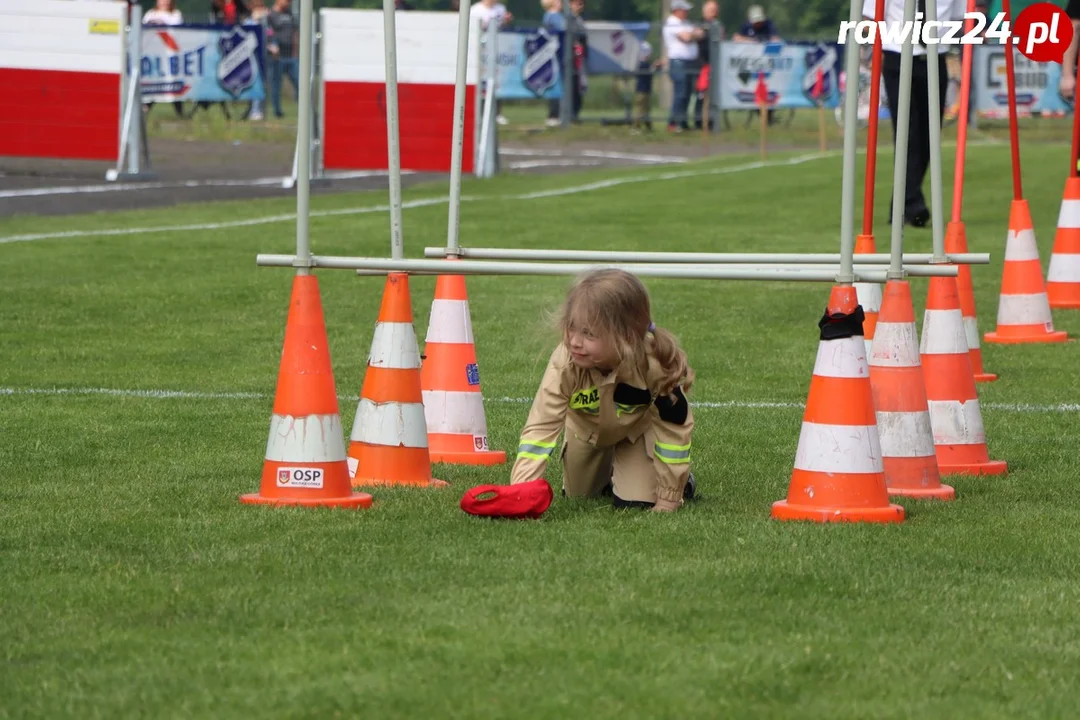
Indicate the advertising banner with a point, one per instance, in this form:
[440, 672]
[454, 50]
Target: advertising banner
[202, 63]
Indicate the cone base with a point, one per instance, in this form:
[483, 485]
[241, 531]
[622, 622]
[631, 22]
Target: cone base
[356, 501]
[985, 377]
[1051, 337]
[941, 492]
[783, 510]
[491, 457]
[1065, 305]
[382, 482]
[993, 467]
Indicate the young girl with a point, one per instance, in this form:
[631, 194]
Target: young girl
[616, 385]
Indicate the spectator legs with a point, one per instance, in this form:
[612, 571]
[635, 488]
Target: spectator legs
[681, 81]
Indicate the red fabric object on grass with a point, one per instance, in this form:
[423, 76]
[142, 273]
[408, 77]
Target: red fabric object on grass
[703, 79]
[524, 500]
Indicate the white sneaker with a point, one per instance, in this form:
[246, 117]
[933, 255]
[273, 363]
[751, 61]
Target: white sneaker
[552, 122]
[255, 116]
[501, 119]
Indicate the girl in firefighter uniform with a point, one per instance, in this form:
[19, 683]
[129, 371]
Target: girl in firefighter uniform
[615, 388]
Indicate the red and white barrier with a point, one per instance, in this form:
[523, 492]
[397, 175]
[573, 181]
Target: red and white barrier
[61, 70]
[354, 133]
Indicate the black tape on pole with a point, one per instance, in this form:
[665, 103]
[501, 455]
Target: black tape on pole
[841, 325]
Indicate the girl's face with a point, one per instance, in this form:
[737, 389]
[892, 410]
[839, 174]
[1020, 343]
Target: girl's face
[589, 351]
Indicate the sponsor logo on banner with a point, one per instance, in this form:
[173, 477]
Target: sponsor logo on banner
[238, 67]
[823, 58]
[300, 477]
[541, 69]
[104, 27]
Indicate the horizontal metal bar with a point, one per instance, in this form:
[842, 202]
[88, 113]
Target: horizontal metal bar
[695, 257]
[689, 272]
[909, 270]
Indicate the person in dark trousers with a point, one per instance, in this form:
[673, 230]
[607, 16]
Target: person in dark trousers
[916, 211]
[710, 13]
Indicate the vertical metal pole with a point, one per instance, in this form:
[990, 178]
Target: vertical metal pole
[903, 116]
[397, 247]
[714, 75]
[303, 145]
[135, 136]
[459, 126]
[566, 112]
[933, 62]
[847, 199]
[488, 147]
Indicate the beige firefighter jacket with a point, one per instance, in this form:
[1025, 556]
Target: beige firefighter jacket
[603, 410]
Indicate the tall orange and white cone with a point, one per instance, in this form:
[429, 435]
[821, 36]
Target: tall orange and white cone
[305, 452]
[955, 414]
[389, 444]
[956, 242]
[838, 473]
[1023, 310]
[450, 380]
[869, 294]
[1063, 278]
[903, 418]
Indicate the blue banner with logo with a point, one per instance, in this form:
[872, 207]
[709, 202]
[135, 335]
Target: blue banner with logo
[789, 70]
[1036, 84]
[202, 63]
[614, 47]
[529, 65]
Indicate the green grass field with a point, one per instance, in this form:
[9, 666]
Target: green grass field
[134, 584]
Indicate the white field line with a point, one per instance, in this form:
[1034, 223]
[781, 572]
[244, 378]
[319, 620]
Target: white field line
[708, 405]
[291, 217]
[183, 184]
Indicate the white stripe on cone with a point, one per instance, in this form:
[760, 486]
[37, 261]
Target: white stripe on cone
[1069, 216]
[391, 424]
[869, 296]
[943, 333]
[971, 329]
[1021, 246]
[957, 423]
[1064, 268]
[895, 345]
[450, 322]
[905, 434]
[839, 449]
[455, 412]
[314, 438]
[843, 358]
[1025, 310]
[394, 347]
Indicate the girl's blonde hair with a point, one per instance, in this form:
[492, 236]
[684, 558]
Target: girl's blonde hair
[614, 306]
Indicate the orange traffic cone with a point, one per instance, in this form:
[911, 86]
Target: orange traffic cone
[956, 242]
[955, 415]
[869, 294]
[1024, 311]
[450, 380]
[389, 445]
[305, 453]
[903, 418]
[1063, 279]
[838, 473]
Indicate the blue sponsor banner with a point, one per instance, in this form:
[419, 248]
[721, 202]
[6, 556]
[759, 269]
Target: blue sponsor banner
[1036, 84]
[789, 69]
[614, 47]
[529, 65]
[202, 63]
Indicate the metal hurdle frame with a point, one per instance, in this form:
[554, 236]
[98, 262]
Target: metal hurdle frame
[798, 267]
[134, 148]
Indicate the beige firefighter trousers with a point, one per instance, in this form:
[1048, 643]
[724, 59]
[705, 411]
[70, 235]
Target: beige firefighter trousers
[627, 466]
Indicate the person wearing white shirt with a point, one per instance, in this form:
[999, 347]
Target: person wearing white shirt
[165, 13]
[916, 211]
[681, 43]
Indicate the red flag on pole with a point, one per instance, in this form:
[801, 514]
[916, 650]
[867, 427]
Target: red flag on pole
[761, 92]
[819, 85]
